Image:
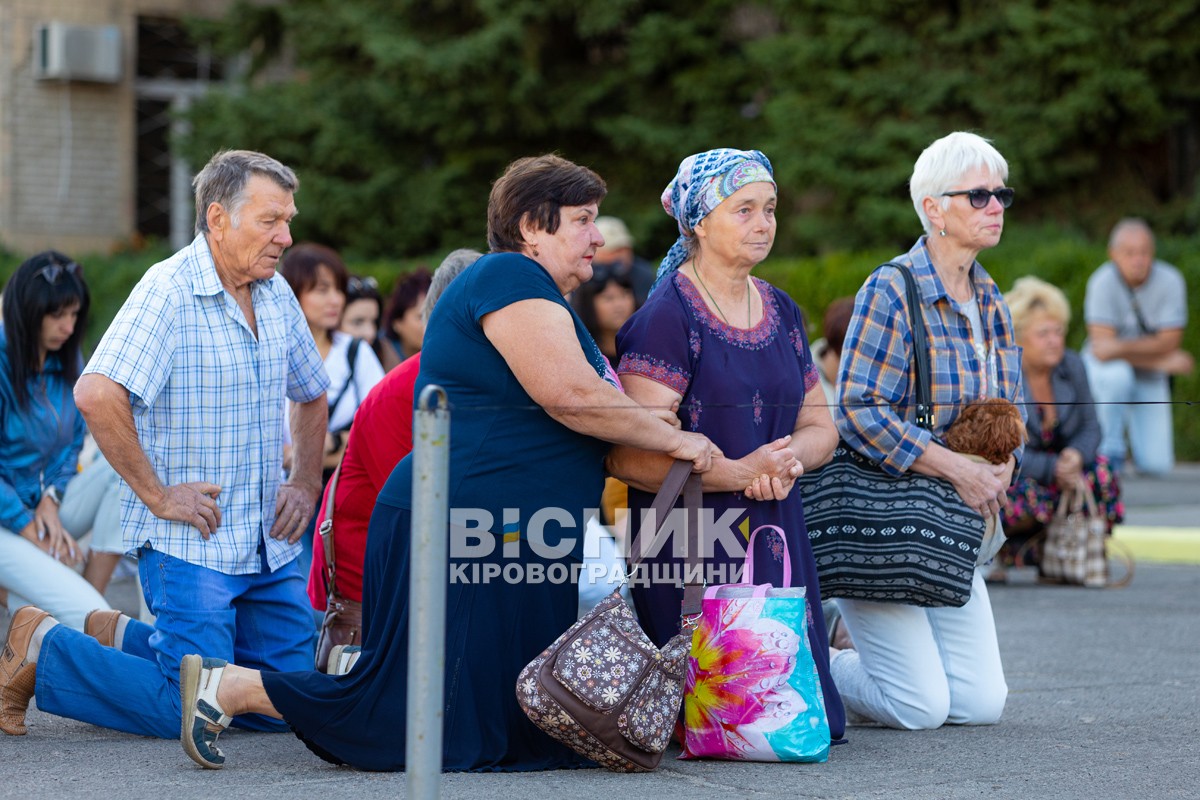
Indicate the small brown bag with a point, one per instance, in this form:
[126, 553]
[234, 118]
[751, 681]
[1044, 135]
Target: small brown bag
[625, 722]
[343, 617]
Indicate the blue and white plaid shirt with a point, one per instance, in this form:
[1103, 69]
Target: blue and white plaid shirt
[208, 402]
[876, 408]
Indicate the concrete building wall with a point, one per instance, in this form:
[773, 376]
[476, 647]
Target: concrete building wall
[68, 149]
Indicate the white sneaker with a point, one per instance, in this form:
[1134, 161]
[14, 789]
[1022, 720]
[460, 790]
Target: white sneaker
[342, 658]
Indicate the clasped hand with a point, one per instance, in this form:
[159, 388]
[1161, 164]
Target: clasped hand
[772, 470]
[1068, 468]
[46, 531]
[984, 487]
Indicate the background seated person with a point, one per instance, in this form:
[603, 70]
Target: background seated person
[1063, 432]
[1135, 309]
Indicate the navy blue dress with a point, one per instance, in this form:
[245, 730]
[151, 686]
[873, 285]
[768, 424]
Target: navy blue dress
[509, 460]
[742, 389]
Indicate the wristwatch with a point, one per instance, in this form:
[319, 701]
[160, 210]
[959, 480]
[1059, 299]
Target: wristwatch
[52, 493]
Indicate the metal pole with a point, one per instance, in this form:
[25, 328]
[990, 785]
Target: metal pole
[428, 567]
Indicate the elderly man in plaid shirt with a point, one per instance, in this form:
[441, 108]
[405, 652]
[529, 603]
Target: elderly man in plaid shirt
[185, 396]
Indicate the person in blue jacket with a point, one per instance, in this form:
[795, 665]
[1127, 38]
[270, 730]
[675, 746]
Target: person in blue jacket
[42, 493]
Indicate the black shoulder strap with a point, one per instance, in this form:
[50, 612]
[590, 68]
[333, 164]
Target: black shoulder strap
[1137, 309]
[351, 358]
[923, 391]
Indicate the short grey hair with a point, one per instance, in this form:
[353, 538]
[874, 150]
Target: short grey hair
[1128, 224]
[223, 180]
[943, 164]
[450, 268]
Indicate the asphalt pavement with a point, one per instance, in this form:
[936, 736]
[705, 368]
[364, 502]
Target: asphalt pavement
[1104, 702]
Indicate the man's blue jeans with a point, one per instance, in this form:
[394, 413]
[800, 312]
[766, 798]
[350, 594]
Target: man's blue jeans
[261, 621]
[1137, 403]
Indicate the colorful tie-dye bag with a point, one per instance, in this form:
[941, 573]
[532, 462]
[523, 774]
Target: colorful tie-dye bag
[753, 693]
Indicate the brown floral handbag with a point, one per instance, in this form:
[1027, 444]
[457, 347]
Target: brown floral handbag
[603, 688]
[343, 617]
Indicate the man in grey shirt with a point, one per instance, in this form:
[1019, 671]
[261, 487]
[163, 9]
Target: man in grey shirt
[1135, 309]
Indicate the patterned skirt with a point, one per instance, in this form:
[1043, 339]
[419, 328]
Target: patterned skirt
[1031, 505]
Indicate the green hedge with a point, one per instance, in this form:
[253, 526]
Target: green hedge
[1062, 258]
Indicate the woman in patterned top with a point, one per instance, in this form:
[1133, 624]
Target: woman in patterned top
[731, 353]
[919, 668]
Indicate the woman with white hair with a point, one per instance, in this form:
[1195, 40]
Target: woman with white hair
[919, 668]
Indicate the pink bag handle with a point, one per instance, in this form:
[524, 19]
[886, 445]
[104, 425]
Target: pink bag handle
[758, 591]
[748, 573]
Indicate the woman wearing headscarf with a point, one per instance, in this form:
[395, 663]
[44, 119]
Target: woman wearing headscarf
[919, 668]
[731, 353]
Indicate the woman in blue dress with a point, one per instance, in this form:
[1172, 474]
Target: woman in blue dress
[730, 351]
[534, 406]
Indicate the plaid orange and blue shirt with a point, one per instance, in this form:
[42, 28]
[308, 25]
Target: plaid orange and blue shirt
[876, 407]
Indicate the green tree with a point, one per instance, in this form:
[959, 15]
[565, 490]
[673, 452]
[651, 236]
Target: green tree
[399, 115]
[1090, 102]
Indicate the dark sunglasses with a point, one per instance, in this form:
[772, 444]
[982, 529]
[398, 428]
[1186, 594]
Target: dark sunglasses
[52, 272]
[361, 286]
[981, 197]
[603, 272]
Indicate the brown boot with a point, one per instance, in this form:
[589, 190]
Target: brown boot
[101, 625]
[18, 676]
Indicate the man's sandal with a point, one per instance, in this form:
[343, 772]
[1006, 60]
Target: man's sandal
[342, 658]
[203, 719]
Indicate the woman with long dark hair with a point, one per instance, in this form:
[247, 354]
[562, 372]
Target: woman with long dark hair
[45, 502]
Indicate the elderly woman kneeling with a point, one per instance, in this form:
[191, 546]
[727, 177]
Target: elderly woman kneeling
[916, 667]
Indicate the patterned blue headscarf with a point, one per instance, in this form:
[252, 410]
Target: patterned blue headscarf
[703, 181]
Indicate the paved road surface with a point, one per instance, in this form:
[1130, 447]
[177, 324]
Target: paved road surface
[1104, 703]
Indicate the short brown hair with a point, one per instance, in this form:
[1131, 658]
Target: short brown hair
[301, 263]
[537, 188]
[836, 322]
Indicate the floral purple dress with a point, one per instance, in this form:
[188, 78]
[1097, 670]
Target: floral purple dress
[742, 389]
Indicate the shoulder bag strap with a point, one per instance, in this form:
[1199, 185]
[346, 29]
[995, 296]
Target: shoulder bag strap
[351, 357]
[923, 391]
[327, 536]
[1137, 309]
[679, 479]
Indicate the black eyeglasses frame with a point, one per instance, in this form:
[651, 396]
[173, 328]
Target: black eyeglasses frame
[980, 198]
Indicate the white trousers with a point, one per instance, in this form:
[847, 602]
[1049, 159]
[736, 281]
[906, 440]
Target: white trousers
[32, 576]
[919, 668]
[90, 502]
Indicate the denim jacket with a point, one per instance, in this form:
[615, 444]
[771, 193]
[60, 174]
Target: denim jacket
[39, 445]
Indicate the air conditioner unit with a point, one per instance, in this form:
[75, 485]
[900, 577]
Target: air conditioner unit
[77, 52]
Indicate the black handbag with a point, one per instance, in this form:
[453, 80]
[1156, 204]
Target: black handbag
[908, 539]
